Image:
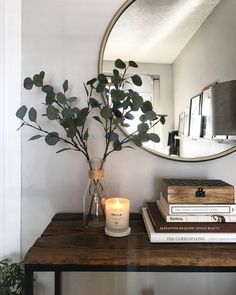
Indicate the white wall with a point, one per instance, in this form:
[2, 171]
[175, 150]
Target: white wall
[10, 144]
[208, 57]
[63, 38]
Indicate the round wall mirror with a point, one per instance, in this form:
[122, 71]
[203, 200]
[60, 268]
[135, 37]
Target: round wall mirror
[185, 50]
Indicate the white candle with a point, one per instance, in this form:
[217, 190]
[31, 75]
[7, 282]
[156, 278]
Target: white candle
[117, 215]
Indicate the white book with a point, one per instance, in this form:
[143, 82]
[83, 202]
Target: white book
[156, 237]
[195, 218]
[198, 209]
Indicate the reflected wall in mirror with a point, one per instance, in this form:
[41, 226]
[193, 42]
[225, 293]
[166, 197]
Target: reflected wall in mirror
[184, 48]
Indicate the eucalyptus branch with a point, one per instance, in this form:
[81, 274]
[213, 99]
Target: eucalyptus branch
[123, 77]
[118, 105]
[59, 104]
[128, 137]
[107, 154]
[83, 144]
[114, 128]
[78, 139]
[79, 149]
[156, 122]
[79, 146]
[45, 131]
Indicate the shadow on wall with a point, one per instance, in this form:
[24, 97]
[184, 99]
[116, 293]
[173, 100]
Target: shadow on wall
[148, 291]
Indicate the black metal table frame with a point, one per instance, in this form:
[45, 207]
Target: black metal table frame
[59, 268]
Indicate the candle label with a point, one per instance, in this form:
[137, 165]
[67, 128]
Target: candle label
[117, 219]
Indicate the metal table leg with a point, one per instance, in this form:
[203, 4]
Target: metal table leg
[57, 283]
[29, 288]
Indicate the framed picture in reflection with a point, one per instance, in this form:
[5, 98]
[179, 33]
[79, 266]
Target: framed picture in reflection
[181, 124]
[186, 122]
[206, 111]
[195, 118]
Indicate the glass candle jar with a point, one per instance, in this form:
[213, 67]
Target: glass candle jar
[117, 217]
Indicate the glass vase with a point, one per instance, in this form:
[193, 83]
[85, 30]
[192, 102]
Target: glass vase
[95, 196]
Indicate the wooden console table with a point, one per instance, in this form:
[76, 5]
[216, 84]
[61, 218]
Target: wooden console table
[66, 246]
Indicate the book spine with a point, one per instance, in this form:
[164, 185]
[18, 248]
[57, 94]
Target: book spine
[156, 237]
[193, 238]
[179, 209]
[200, 218]
[196, 218]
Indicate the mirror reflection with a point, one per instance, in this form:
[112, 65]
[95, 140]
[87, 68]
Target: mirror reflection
[185, 50]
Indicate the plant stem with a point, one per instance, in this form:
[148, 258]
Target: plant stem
[62, 139]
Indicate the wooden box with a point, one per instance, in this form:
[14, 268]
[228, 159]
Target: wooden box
[197, 191]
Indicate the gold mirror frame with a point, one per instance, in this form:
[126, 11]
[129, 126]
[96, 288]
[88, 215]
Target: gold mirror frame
[100, 70]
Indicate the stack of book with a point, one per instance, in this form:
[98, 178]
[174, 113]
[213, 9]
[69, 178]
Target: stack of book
[207, 216]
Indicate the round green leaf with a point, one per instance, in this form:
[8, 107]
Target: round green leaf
[119, 120]
[162, 120]
[35, 137]
[50, 98]
[143, 128]
[66, 123]
[116, 72]
[150, 115]
[86, 135]
[137, 101]
[52, 138]
[100, 87]
[119, 64]
[91, 82]
[21, 112]
[117, 94]
[112, 136]
[72, 99]
[47, 88]
[76, 110]
[37, 80]
[147, 106]
[82, 116]
[154, 137]
[28, 83]
[144, 137]
[116, 80]
[61, 98]
[68, 113]
[102, 78]
[117, 145]
[133, 64]
[97, 119]
[106, 112]
[117, 113]
[125, 125]
[129, 116]
[134, 109]
[117, 104]
[65, 86]
[32, 115]
[52, 112]
[126, 103]
[137, 80]
[94, 102]
[142, 118]
[42, 74]
[71, 131]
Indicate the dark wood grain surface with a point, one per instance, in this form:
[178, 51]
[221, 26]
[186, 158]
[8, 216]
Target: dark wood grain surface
[66, 242]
